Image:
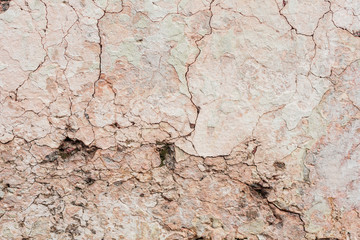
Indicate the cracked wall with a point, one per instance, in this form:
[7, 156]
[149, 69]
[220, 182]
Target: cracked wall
[179, 119]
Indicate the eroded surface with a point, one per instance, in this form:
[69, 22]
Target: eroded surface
[164, 119]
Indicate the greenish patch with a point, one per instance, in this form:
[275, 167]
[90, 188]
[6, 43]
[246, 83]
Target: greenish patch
[172, 29]
[64, 155]
[316, 127]
[163, 152]
[128, 141]
[142, 23]
[167, 155]
[128, 49]
[181, 51]
[224, 43]
[180, 55]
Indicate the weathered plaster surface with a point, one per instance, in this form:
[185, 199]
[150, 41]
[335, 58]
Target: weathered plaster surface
[179, 119]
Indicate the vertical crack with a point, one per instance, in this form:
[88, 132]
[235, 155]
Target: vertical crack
[100, 70]
[193, 126]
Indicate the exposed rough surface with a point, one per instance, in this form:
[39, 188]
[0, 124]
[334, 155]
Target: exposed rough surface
[180, 119]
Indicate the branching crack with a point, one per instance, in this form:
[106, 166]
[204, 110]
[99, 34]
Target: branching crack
[193, 125]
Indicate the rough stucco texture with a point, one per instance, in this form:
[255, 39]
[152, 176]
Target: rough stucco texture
[180, 119]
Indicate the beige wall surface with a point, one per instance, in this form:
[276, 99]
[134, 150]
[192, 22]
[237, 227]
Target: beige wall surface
[180, 119]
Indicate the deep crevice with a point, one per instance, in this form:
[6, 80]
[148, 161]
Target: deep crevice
[327, 238]
[260, 190]
[167, 155]
[68, 148]
[4, 5]
[199, 238]
[356, 33]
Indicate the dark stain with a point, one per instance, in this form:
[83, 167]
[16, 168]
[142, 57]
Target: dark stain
[254, 150]
[72, 230]
[78, 204]
[252, 214]
[118, 183]
[259, 190]
[356, 33]
[116, 125]
[279, 165]
[167, 155]
[4, 5]
[89, 181]
[68, 148]
[327, 238]
[68, 128]
[55, 230]
[242, 203]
